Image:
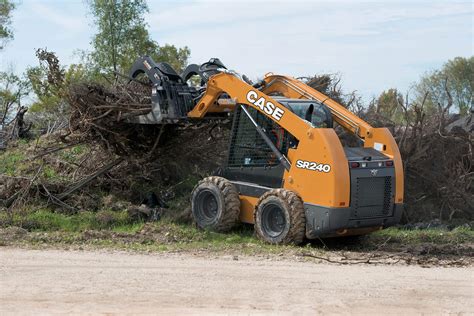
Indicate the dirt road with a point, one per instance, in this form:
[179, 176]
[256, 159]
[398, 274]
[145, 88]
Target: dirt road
[57, 281]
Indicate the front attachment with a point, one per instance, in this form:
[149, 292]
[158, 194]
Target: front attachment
[171, 97]
[156, 72]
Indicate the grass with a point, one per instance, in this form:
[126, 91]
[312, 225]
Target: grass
[431, 235]
[72, 154]
[10, 161]
[108, 229]
[46, 220]
[128, 228]
[49, 173]
[115, 229]
[15, 161]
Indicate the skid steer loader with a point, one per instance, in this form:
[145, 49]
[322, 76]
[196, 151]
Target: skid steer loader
[287, 171]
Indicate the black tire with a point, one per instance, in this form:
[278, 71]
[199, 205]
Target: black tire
[280, 217]
[215, 204]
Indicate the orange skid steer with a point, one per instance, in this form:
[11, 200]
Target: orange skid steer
[287, 172]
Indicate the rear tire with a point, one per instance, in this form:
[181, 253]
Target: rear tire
[215, 204]
[280, 217]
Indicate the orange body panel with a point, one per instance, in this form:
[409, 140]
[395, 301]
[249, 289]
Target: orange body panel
[247, 208]
[389, 147]
[331, 189]
[292, 88]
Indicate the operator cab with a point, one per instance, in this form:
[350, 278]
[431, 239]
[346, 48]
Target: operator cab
[250, 158]
[312, 111]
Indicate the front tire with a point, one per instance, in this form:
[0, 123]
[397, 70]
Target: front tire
[215, 204]
[280, 217]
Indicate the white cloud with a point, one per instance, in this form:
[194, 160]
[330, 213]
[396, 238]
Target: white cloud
[64, 20]
[59, 26]
[373, 44]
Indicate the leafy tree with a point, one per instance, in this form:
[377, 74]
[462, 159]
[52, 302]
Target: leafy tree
[328, 84]
[176, 57]
[122, 33]
[389, 105]
[49, 82]
[123, 36]
[451, 87]
[6, 8]
[13, 89]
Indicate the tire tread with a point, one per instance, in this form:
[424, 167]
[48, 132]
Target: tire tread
[231, 211]
[296, 212]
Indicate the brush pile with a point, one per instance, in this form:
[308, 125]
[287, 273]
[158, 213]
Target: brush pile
[99, 114]
[439, 172]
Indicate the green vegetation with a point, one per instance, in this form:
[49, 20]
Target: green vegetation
[13, 89]
[72, 154]
[49, 173]
[6, 33]
[10, 162]
[458, 235]
[47, 221]
[123, 36]
[17, 162]
[117, 230]
[441, 91]
[450, 86]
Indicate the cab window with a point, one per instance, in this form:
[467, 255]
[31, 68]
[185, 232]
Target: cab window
[248, 148]
[316, 113]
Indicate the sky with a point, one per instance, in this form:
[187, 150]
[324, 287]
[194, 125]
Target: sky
[373, 45]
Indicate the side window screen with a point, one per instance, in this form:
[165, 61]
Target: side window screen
[247, 147]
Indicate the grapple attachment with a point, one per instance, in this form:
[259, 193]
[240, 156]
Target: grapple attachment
[172, 97]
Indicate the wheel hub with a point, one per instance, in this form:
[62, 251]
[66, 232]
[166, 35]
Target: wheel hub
[273, 220]
[207, 206]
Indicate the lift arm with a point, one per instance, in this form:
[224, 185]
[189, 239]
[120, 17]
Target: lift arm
[287, 86]
[243, 93]
[295, 89]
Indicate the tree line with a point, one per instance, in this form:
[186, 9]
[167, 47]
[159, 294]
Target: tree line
[122, 35]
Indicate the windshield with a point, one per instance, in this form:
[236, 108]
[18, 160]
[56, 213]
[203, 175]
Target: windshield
[316, 113]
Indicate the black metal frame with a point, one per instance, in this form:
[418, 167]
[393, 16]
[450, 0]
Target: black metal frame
[172, 98]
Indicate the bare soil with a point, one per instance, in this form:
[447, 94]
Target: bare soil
[113, 282]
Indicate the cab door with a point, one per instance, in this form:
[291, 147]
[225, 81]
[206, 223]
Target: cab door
[250, 159]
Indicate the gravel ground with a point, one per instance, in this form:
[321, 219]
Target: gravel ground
[113, 282]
